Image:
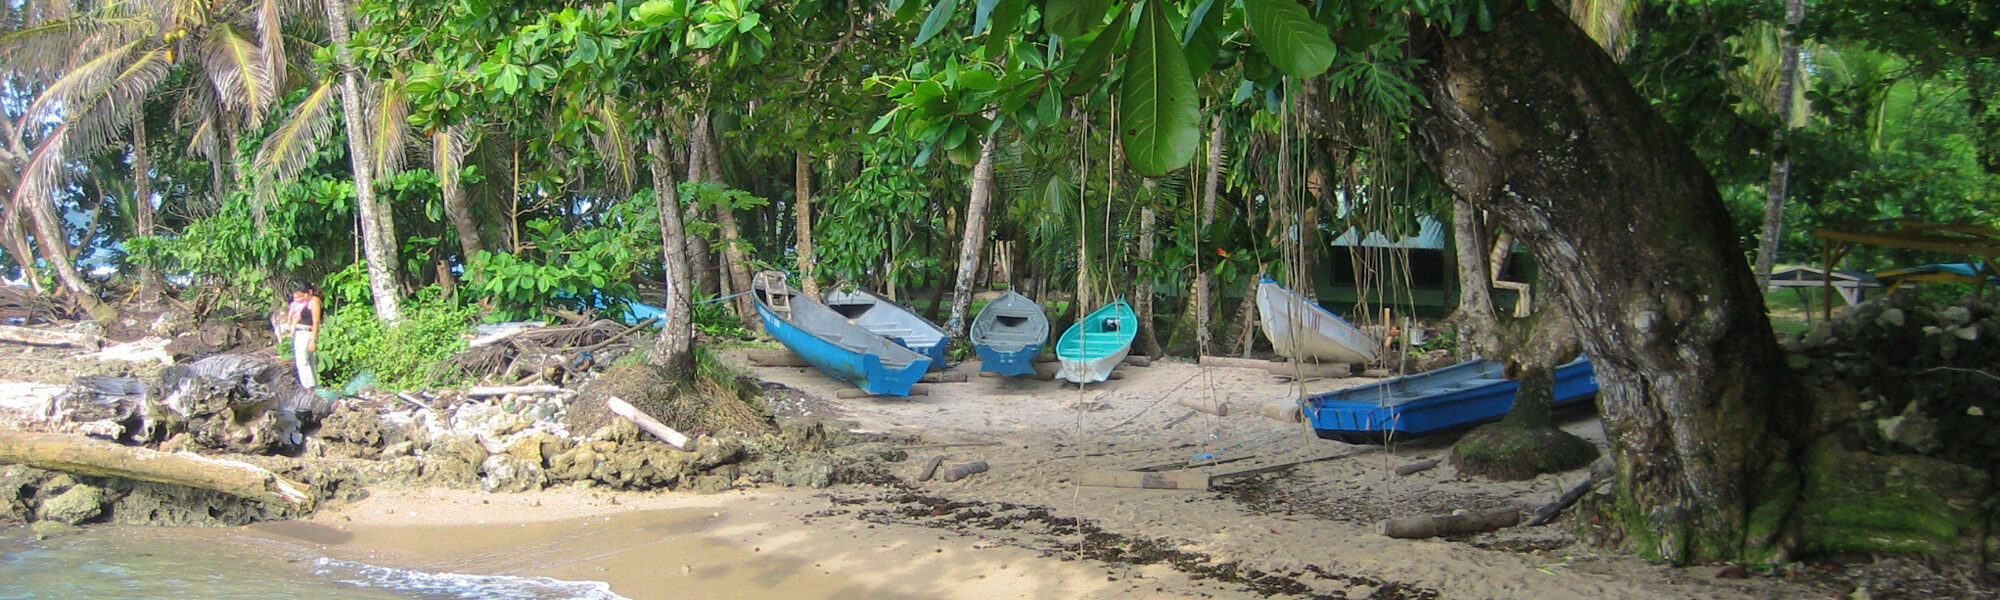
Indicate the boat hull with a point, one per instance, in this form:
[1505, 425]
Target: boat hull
[888, 319]
[865, 370]
[1097, 343]
[1008, 334]
[1454, 397]
[1302, 329]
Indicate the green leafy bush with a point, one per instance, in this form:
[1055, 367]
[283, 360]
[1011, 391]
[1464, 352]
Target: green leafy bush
[405, 356]
[575, 269]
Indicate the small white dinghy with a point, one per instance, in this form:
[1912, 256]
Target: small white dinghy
[1301, 329]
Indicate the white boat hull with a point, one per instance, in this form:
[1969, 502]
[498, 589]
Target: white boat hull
[1302, 330]
[1091, 371]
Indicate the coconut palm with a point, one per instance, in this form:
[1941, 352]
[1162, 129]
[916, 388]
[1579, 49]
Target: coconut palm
[93, 67]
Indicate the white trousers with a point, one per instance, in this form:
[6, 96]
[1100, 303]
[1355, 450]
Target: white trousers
[302, 342]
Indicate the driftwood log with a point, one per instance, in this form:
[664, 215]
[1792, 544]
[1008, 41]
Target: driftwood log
[85, 456]
[945, 377]
[647, 423]
[1205, 403]
[764, 357]
[963, 471]
[850, 393]
[1172, 480]
[46, 337]
[1289, 412]
[1453, 524]
[1417, 467]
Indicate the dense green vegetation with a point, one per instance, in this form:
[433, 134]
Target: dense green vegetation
[483, 160]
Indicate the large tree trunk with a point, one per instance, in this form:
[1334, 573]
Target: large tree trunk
[1781, 154]
[1148, 342]
[378, 242]
[450, 145]
[701, 257]
[737, 261]
[673, 352]
[802, 212]
[973, 245]
[151, 284]
[54, 241]
[1533, 122]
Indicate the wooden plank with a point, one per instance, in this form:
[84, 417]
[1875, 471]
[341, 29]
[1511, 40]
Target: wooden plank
[646, 422]
[1169, 480]
[945, 377]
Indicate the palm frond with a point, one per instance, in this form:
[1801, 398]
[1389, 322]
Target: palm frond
[101, 116]
[271, 40]
[44, 171]
[388, 134]
[84, 81]
[41, 50]
[196, 110]
[616, 144]
[448, 149]
[239, 73]
[291, 147]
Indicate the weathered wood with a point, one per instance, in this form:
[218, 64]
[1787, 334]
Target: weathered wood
[851, 393]
[764, 357]
[1289, 368]
[1288, 412]
[1205, 403]
[646, 422]
[1274, 468]
[963, 471]
[945, 377]
[1138, 361]
[930, 468]
[45, 337]
[525, 390]
[1417, 467]
[85, 456]
[1453, 524]
[1550, 511]
[1171, 480]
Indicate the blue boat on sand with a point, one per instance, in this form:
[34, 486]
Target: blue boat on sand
[1453, 397]
[886, 318]
[1008, 333]
[827, 341]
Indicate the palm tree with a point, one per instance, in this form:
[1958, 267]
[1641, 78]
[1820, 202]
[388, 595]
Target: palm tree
[93, 68]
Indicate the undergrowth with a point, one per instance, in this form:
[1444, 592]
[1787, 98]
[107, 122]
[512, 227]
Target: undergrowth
[405, 356]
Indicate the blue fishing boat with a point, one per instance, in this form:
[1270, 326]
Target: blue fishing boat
[888, 319]
[1094, 346]
[1460, 395]
[827, 341]
[1008, 333]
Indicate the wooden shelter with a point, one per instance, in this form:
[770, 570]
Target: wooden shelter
[1954, 239]
[1853, 286]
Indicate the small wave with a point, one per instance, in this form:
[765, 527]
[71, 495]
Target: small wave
[461, 586]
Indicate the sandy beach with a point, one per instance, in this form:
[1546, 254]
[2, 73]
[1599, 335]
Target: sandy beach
[1025, 528]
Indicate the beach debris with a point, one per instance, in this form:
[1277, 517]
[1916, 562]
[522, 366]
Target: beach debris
[1458, 523]
[36, 336]
[515, 353]
[503, 390]
[945, 377]
[1205, 403]
[85, 456]
[646, 422]
[1289, 412]
[963, 471]
[1151, 480]
[1417, 467]
[930, 468]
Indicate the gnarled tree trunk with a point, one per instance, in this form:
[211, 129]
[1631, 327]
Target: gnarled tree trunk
[673, 352]
[1534, 123]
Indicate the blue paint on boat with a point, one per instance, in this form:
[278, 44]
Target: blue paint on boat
[886, 318]
[842, 349]
[1457, 396]
[1008, 334]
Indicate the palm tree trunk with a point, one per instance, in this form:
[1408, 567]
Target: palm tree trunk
[673, 351]
[451, 151]
[1142, 290]
[150, 282]
[701, 257]
[802, 209]
[1781, 161]
[16, 239]
[1211, 189]
[55, 247]
[738, 261]
[973, 245]
[378, 241]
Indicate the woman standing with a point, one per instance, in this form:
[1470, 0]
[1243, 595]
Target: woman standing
[304, 315]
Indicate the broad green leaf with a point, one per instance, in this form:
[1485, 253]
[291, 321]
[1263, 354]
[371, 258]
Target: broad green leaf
[1296, 43]
[1159, 120]
[1071, 18]
[982, 13]
[1203, 41]
[1049, 110]
[940, 17]
[1000, 25]
[1091, 67]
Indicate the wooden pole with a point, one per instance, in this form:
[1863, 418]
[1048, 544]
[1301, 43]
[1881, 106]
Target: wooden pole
[646, 422]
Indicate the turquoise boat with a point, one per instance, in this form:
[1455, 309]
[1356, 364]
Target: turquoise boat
[1008, 333]
[828, 342]
[1095, 345]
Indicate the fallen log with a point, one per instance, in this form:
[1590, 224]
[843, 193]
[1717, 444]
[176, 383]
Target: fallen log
[1292, 368]
[1458, 523]
[945, 377]
[930, 468]
[1288, 412]
[852, 393]
[45, 337]
[1550, 511]
[1173, 480]
[764, 357]
[1138, 361]
[646, 422]
[525, 390]
[963, 471]
[1205, 403]
[1416, 467]
[85, 456]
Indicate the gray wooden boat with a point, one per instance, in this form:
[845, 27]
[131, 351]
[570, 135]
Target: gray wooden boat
[1008, 333]
[888, 319]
